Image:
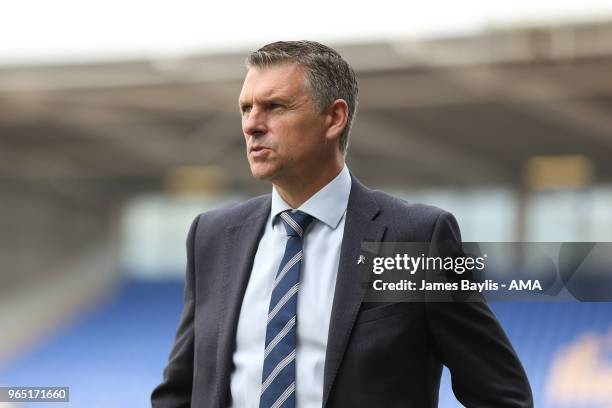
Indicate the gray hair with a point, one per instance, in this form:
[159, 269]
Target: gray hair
[328, 75]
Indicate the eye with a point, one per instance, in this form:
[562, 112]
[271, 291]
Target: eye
[273, 106]
[246, 109]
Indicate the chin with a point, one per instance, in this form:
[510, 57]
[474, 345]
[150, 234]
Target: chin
[262, 172]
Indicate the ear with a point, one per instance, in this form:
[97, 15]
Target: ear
[336, 119]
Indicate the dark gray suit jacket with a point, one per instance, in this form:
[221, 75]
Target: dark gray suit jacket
[378, 355]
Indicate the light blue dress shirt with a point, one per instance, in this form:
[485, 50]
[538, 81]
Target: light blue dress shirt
[321, 245]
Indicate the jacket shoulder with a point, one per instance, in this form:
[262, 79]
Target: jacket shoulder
[234, 213]
[400, 207]
[413, 221]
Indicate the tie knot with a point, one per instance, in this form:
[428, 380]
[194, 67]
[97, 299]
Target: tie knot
[295, 222]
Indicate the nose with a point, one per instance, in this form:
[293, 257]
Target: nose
[254, 123]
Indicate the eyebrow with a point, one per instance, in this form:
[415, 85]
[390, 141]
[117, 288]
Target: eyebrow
[265, 101]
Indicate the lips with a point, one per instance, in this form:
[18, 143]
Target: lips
[258, 148]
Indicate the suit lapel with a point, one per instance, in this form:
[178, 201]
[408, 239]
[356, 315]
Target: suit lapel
[359, 226]
[241, 245]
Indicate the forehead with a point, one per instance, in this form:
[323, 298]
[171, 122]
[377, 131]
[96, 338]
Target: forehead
[285, 80]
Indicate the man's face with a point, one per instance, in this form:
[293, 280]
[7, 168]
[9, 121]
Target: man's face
[283, 129]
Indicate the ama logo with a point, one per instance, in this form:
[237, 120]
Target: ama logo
[525, 284]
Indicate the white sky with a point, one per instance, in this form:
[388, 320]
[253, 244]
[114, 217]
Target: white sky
[79, 30]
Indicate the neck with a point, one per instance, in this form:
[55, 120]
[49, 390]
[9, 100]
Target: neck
[301, 189]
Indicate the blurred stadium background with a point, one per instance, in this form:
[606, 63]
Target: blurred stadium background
[108, 152]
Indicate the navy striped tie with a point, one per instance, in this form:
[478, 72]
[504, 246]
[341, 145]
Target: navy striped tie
[278, 378]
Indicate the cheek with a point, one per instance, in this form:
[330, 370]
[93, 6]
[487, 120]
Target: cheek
[295, 137]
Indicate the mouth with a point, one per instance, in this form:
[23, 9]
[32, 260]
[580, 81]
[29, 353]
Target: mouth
[255, 149]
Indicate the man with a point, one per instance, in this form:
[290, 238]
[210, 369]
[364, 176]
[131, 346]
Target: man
[274, 313]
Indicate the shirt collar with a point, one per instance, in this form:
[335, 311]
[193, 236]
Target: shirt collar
[328, 205]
